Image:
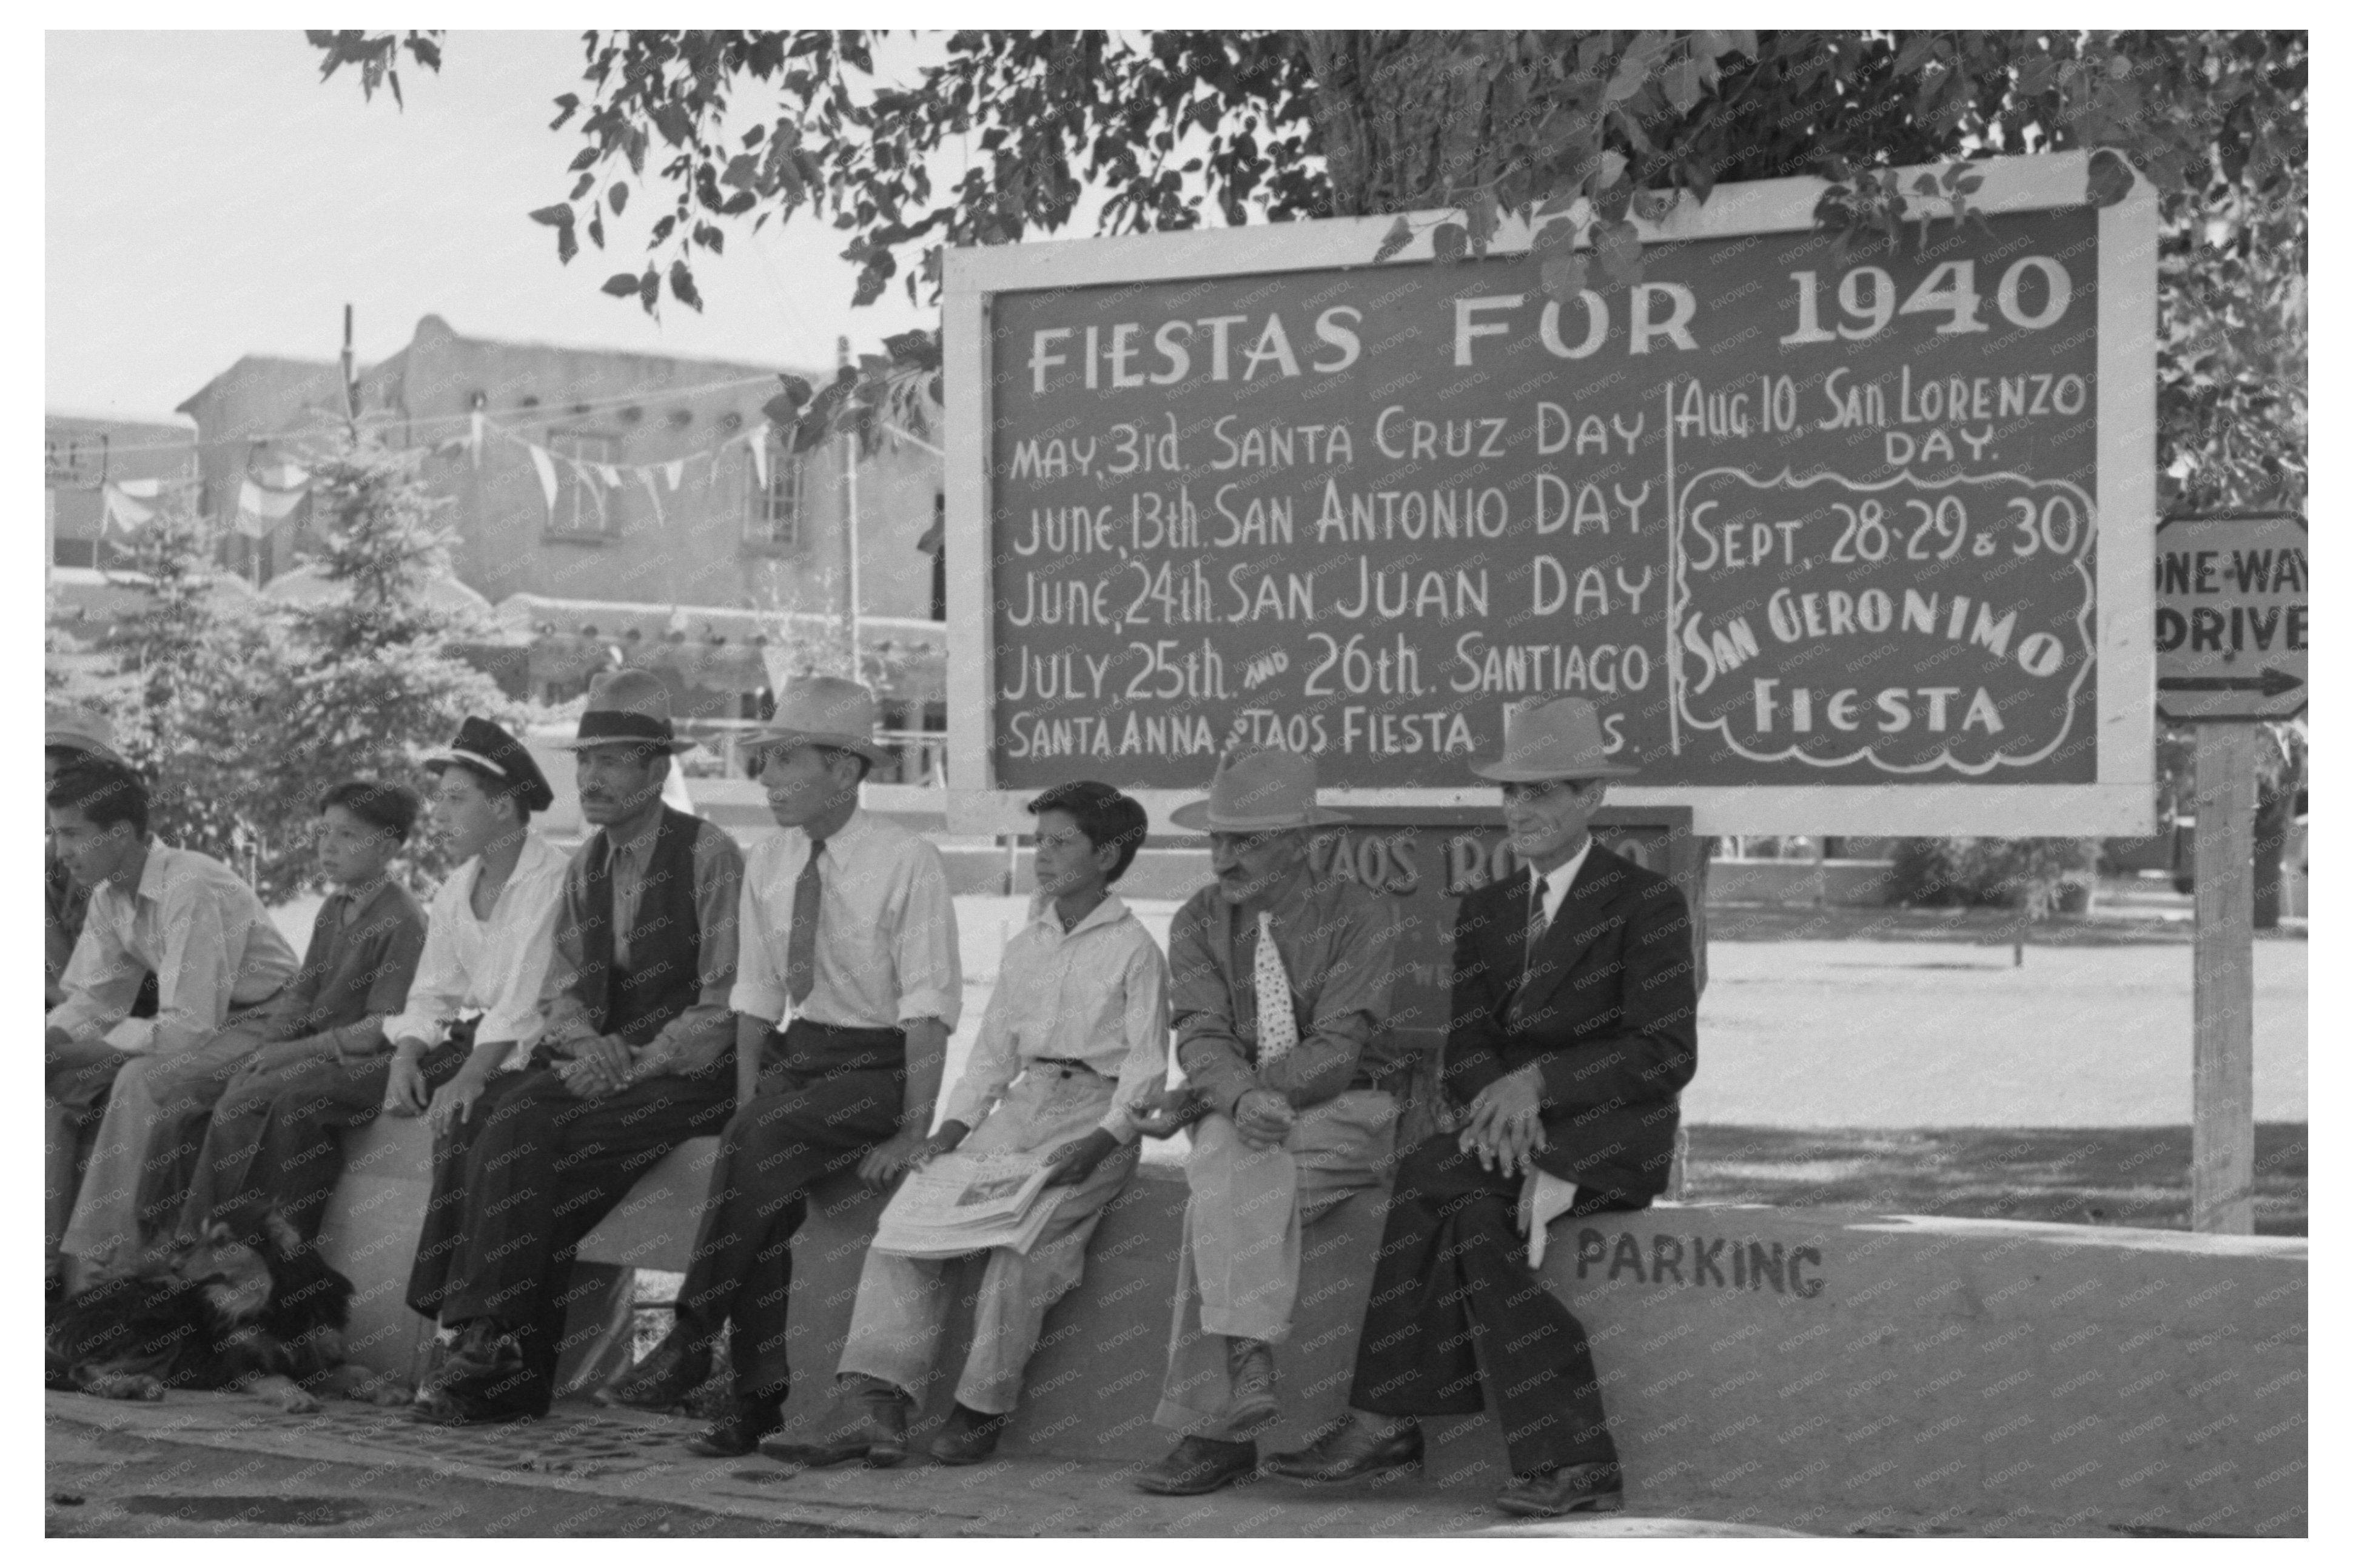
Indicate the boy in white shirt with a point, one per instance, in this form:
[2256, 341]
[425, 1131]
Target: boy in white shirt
[1076, 1030]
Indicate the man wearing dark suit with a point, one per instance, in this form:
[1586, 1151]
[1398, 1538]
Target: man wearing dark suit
[1573, 1030]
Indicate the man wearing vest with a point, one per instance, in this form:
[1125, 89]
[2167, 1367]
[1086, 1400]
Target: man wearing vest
[1573, 1028]
[1279, 992]
[847, 926]
[632, 1063]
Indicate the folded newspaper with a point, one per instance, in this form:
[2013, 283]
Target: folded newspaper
[964, 1203]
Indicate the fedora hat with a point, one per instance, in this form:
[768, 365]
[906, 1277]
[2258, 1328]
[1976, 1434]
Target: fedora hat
[72, 728]
[1556, 739]
[824, 710]
[626, 708]
[1259, 792]
[483, 745]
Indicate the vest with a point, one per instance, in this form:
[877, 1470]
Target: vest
[664, 978]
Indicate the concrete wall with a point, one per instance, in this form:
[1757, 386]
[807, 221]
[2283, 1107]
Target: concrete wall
[1848, 1361]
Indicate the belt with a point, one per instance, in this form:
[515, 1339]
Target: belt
[1068, 1064]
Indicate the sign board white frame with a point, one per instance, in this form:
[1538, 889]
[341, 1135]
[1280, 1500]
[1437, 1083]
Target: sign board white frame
[2119, 802]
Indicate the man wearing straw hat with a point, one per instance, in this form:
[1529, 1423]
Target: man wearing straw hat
[1279, 989]
[850, 944]
[1574, 1029]
[632, 1062]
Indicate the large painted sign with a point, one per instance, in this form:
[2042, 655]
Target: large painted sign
[1833, 539]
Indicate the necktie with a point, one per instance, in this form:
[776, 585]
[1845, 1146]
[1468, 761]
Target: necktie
[1278, 1029]
[801, 947]
[1536, 923]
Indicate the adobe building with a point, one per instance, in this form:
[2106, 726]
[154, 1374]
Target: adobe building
[629, 509]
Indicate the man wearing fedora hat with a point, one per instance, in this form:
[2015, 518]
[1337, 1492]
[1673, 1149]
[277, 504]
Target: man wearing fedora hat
[76, 735]
[632, 1062]
[277, 1139]
[1574, 1028]
[1279, 992]
[850, 944]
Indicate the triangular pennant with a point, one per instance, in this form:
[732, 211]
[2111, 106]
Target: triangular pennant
[145, 490]
[547, 466]
[645, 477]
[674, 471]
[760, 453]
[609, 474]
[480, 422]
[123, 512]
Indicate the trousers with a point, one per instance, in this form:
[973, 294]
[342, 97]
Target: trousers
[145, 1148]
[276, 1139]
[525, 1177]
[1237, 1271]
[902, 1302]
[806, 1123]
[1455, 1307]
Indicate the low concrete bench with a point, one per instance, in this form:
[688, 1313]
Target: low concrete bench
[1844, 1360]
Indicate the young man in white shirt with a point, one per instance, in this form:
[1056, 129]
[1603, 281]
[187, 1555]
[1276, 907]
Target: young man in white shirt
[277, 1137]
[184, 918]
[846, 924]
[1076, 1031]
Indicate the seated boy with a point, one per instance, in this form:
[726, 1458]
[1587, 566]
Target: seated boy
[364, 946]
[192, 923]
[1076, 1030]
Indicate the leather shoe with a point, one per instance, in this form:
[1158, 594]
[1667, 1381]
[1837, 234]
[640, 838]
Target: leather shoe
[1351, 1451]
[1597, 1488]
[875, 1433]
[1250, 1372]
[739, 1431]
[1198, 1465]
[676, 1368]
[968, 1436]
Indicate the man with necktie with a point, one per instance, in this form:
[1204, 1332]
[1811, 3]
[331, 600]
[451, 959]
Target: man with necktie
[847, 928]
[1279, 992]
[1574, 1028]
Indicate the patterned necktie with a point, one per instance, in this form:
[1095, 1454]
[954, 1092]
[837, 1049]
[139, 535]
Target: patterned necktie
[801, 947]
[1536, 923]
[1278, 1029]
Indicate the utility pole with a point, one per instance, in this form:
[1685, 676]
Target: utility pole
[850, 499]
[351, 373]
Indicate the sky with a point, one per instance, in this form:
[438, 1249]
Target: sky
[207, 197]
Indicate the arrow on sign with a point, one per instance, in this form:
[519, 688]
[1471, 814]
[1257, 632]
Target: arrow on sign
[2271, 683]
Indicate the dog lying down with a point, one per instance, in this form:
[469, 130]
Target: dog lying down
[263, 1316]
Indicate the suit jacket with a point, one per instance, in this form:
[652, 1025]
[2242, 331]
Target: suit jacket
[1608, 1010]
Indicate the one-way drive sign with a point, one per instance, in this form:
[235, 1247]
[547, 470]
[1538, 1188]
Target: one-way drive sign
[2233, 621]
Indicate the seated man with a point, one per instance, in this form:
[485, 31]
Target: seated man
[364, 947]
[277, 1139]
[1076, 1030]
[192, 923]
[1279, 987]
[75, 736]
[847, 923]
[632, 1063]
[1574, 1028]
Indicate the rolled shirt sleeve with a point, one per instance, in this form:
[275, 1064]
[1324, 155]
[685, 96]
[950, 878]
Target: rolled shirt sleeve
[993, 1064]
[931, 974]
[100, 982]
[1146, 1023]
[759, 991]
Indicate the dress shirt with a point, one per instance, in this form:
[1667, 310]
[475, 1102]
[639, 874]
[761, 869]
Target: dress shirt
[1558, 880]
[1338, 943]
[66, 904]
[699, 1035]
[357, 971]
[496, 967]
[1097, 994]
[886, 931]
[194, 925]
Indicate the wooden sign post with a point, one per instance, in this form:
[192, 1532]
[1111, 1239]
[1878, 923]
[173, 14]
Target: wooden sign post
[2233, 636]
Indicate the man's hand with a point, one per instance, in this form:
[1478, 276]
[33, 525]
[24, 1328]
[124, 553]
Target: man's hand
[951, 1133]
[1263, 1118]
[890, 1157]
[1505, 1125]
[1075, 1161]
[405, 1092]
[454, 1100]
[594, 1065]
[1159, 1113]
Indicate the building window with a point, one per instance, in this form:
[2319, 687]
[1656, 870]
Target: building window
[74, 552]
[74, 462]
[584, 504]
[773, 518]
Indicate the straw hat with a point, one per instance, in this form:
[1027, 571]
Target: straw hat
[626, 708]
[76, 728]
[1556, 739]
[1259, 792]
[824, 710]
